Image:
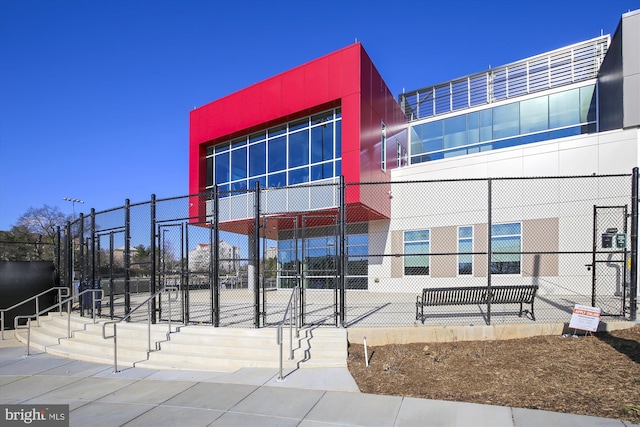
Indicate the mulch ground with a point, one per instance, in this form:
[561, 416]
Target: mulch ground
[595, 375]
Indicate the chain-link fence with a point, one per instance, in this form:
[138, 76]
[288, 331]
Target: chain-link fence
[362, 253]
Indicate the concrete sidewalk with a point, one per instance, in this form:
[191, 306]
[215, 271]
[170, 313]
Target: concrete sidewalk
[249, 397]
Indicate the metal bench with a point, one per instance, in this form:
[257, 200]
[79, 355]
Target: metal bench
[474, 295]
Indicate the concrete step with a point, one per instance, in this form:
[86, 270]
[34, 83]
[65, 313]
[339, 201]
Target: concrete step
[187, 347]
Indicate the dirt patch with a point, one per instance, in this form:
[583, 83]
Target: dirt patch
[595, 375]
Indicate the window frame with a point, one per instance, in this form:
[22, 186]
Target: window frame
[426, 241]
[494, 236]
[470, 254]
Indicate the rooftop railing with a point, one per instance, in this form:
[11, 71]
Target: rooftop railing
[560, 67]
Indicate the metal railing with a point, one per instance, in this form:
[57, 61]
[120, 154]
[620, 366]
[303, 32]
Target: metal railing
[293, 319]
[128, 316]
[67, 301]
[571, 64]
[60, 290]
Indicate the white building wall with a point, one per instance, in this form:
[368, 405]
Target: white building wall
[465, 203]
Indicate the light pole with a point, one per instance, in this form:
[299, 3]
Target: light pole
[73, 216]
[73, 205]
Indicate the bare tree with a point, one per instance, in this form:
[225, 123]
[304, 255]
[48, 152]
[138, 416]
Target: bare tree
[43, 221]
[33, 236]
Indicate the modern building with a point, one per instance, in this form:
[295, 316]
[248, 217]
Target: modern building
[574, 111]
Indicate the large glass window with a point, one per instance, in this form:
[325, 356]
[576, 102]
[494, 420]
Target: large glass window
[239, 164]
[338, 138]
[319, 261]
[257, 156]
[209, 171]
[506, 121]
[416, 253]
[300, 151]
[465, 248]
[455, 131]
[277, 154]
[299, 148]
[222, 168]
[538, 119]
[298, 176]
[357, 260]
[564, 109]
[534, 115]
[322, 143]
[506, 241]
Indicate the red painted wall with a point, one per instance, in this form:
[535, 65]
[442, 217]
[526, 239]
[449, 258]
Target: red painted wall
[344, 78]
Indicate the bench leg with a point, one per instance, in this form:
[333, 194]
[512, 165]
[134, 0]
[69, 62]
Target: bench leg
[520, 314]
[532, 315]
[420, 313]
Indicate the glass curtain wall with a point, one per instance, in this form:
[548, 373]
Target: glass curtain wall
[297, 152]
[319, 260]
[542, 118]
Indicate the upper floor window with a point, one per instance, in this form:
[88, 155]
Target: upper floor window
[566, 113]
[300, 151]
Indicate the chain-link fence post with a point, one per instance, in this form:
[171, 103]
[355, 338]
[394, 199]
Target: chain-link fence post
[69, 256]
[489, 248]
[80, 261]
[92, 254]
[153, 259]
[127, 256]
[256, 256]
[633, 294]
[58, 253]
[342, 265]
[215, 256]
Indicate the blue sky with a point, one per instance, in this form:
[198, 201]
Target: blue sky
[95, 94]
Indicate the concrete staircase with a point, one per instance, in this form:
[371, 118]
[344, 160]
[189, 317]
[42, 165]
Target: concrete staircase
[193, 348]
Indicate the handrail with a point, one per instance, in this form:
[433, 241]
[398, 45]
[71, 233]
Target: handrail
[115, 323]
[67, 301]
[293, 298]
[60, 296]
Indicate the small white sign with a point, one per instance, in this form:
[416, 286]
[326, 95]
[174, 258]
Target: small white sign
[585, 318]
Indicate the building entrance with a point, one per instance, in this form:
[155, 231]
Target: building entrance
[307, 256]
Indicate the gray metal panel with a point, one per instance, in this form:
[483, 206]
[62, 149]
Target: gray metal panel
[610, 81]
[631, 68]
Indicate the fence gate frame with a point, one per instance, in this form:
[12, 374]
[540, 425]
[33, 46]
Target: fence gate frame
[333, 274]
[110, 275]
[180, 271]
[297, 272]
[609, 251]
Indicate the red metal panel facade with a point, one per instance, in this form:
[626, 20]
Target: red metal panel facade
[345, 78]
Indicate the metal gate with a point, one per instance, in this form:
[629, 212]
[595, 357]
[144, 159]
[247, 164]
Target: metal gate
[308, 257]
[610, 279]
[320, 269]
[111, 274]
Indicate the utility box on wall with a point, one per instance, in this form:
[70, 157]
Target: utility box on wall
[612, 236]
